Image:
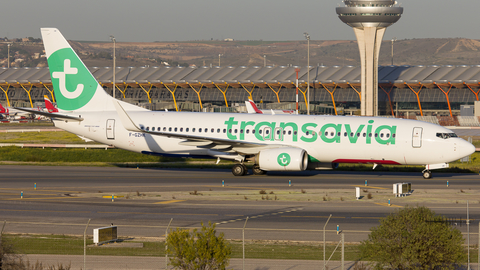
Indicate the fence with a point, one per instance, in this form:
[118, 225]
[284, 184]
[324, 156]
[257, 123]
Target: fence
[252, 248]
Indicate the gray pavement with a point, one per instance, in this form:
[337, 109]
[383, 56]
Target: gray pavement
[117, 263]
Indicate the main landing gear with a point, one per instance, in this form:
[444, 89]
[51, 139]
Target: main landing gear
[427, 174]
[257, 170]
[240, 169]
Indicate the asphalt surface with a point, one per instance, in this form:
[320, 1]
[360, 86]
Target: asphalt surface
[148, 199]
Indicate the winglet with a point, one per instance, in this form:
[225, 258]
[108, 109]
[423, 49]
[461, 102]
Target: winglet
[127, 122]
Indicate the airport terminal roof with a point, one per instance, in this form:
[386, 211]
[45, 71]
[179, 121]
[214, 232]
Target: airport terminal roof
[255, 76]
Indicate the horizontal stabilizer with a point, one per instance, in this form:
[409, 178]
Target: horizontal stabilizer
[52, 115]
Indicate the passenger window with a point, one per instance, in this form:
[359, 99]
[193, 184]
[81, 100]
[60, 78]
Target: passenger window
[213, 130]
[247, 131]
[230, 131]
[364, 134]
[260, 131]
[241, 130]
[200, 130]
[187, 129]
[308, 133]
[376, 135]
[326, 133]
[358, 134]
[236, 130]
[331, 134]
[193, 129]
[181, 129]
[148, 128]
[170, 129]
[345, 134]
[224, 130]
[253, 131]
[175, 129]
[351, 135]
[370, 135]
[295, 132]
[164, 128]
[206, 130]
[387, 135]
[289, 132]
[393, 135]
[218, 130]
[381, 135]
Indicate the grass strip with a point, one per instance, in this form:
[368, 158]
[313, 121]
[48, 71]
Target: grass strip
[73, 245]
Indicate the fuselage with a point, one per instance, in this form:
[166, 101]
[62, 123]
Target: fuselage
[337, 139]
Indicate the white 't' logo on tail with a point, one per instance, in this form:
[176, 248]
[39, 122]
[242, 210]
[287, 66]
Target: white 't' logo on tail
[62, 81]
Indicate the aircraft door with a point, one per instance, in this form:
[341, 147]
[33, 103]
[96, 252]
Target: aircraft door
[278, 134]
[267, 133]
[417, 137]
[111, 129]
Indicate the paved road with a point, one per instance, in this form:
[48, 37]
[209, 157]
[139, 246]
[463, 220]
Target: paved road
[66, 197]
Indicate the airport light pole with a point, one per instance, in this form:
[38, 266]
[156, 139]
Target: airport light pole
[219, 59]
[114, 65]
[393, 40]
[8, 53]
[307, 36]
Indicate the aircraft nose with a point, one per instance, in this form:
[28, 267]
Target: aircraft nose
[465, 149]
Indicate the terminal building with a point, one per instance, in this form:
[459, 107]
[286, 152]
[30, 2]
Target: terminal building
[403, 91]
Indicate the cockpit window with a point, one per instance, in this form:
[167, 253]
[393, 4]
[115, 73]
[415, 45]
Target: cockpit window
[446, 135]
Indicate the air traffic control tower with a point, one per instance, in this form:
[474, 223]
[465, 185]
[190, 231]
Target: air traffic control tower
[369, 19]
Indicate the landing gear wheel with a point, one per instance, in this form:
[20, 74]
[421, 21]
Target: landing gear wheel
[239, 169]
[427, 174]
[257, 170]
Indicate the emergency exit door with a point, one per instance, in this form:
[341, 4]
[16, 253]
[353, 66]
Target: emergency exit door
[417, 137]
[111, 129]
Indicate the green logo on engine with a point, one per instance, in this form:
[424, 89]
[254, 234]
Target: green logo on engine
[283, 159]
[73, 83]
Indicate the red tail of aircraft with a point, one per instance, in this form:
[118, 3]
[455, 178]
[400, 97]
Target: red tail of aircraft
[49, 105]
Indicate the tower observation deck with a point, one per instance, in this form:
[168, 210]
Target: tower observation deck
[369, 20]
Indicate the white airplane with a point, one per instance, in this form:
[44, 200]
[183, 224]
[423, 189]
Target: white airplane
[252, 108]
[22, 113]
[270, 142]
[17, 113]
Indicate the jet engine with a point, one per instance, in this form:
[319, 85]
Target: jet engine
[282, 159]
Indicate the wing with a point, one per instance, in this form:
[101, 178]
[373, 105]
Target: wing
[223, 145]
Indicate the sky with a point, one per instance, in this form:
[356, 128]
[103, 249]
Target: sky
[269, 20]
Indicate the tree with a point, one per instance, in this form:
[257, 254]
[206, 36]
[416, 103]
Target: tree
[198, 250]
[414, 238]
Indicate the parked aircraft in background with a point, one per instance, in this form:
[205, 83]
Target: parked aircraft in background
[252, 108]
[271, 142]
[49, 105]
[15, 113]
[20, 113]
